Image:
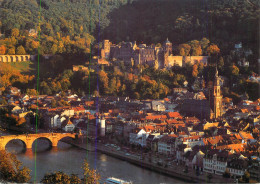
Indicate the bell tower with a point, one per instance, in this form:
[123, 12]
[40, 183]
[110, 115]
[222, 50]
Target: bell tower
[217, 97]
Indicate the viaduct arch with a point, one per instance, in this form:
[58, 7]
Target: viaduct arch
[16, 58]
[28, 139]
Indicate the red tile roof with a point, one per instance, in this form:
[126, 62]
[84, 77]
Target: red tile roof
[173, 114]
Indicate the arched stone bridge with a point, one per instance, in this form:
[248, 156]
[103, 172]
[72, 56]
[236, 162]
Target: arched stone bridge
[16, 58]
[28, 139]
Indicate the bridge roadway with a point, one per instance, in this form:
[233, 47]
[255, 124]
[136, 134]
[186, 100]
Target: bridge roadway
[28, 139]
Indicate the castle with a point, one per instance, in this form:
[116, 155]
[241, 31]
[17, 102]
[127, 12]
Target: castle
[134, 54]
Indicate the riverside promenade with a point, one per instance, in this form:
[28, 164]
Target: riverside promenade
[173, 170]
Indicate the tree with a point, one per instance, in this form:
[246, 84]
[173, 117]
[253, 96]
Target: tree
[2, 50]
[221, 63]
[246, 177]
[200, 67]
[213, 50]
[204, 42]
[234, 70]
[118, 85]
[184, 49]
[20, 50]
[103, 79]
[54, 49]
[182, 52]
[156, 64]
[136, 95]
[45, 88]
[197, 51]
[58, 177]
[31, 92]
[10, 168]
[15, 32]
[90, 175]
[74, 178]
[11, 51]
[112, 85]
[195, 70]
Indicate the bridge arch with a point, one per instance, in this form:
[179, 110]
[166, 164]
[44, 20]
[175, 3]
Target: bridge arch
[27, 58]
[16, 58]
[10, 140]
[11, 58]
[43, 138]
[6, 59]
[1, 59]
[66, 137]
[22, 59]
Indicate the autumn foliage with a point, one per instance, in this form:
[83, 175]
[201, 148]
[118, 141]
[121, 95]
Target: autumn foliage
[9, 75]
[10, 168]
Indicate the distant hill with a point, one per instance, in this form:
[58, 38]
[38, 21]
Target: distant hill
[150, 21]
[70, 17]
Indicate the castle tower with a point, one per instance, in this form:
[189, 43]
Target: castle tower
[167, 51]
[167, 46]
[105, 51]
[217, 97]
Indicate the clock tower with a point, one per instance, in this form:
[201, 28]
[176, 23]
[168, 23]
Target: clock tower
[217, 97]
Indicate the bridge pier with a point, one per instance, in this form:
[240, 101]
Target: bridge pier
[54, 143]
[29, 142]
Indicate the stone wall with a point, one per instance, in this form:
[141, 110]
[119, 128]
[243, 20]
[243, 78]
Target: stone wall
[195, 59]
[175, 60]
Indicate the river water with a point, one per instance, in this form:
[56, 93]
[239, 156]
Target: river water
[70, 160]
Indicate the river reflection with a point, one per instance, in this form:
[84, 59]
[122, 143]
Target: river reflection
[29, 153]
[70, 160]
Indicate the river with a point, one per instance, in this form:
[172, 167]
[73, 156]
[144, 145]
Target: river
[70, 160]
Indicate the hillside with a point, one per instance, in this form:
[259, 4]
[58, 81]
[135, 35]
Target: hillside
[149, 21]
[69, 17]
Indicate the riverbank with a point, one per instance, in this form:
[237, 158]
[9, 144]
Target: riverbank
[173, 171]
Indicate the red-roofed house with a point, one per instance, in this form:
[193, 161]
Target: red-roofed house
[174, 115]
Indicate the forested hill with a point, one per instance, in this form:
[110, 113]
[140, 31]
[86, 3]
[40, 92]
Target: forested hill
[151, 21]
[70, 17]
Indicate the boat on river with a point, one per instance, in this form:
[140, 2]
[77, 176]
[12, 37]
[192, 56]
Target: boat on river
[112, 180]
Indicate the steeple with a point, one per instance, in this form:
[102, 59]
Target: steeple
[216, 96]
[216, 73]
[217, 79]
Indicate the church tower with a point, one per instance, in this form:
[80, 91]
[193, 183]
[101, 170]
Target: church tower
[217, 97]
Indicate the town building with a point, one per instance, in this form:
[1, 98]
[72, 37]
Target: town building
[215, 161]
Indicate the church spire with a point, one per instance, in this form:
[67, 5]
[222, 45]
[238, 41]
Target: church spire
[216, 74]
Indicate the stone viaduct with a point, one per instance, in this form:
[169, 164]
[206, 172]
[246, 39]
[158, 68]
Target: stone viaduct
[28, 139]
[15, 58]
